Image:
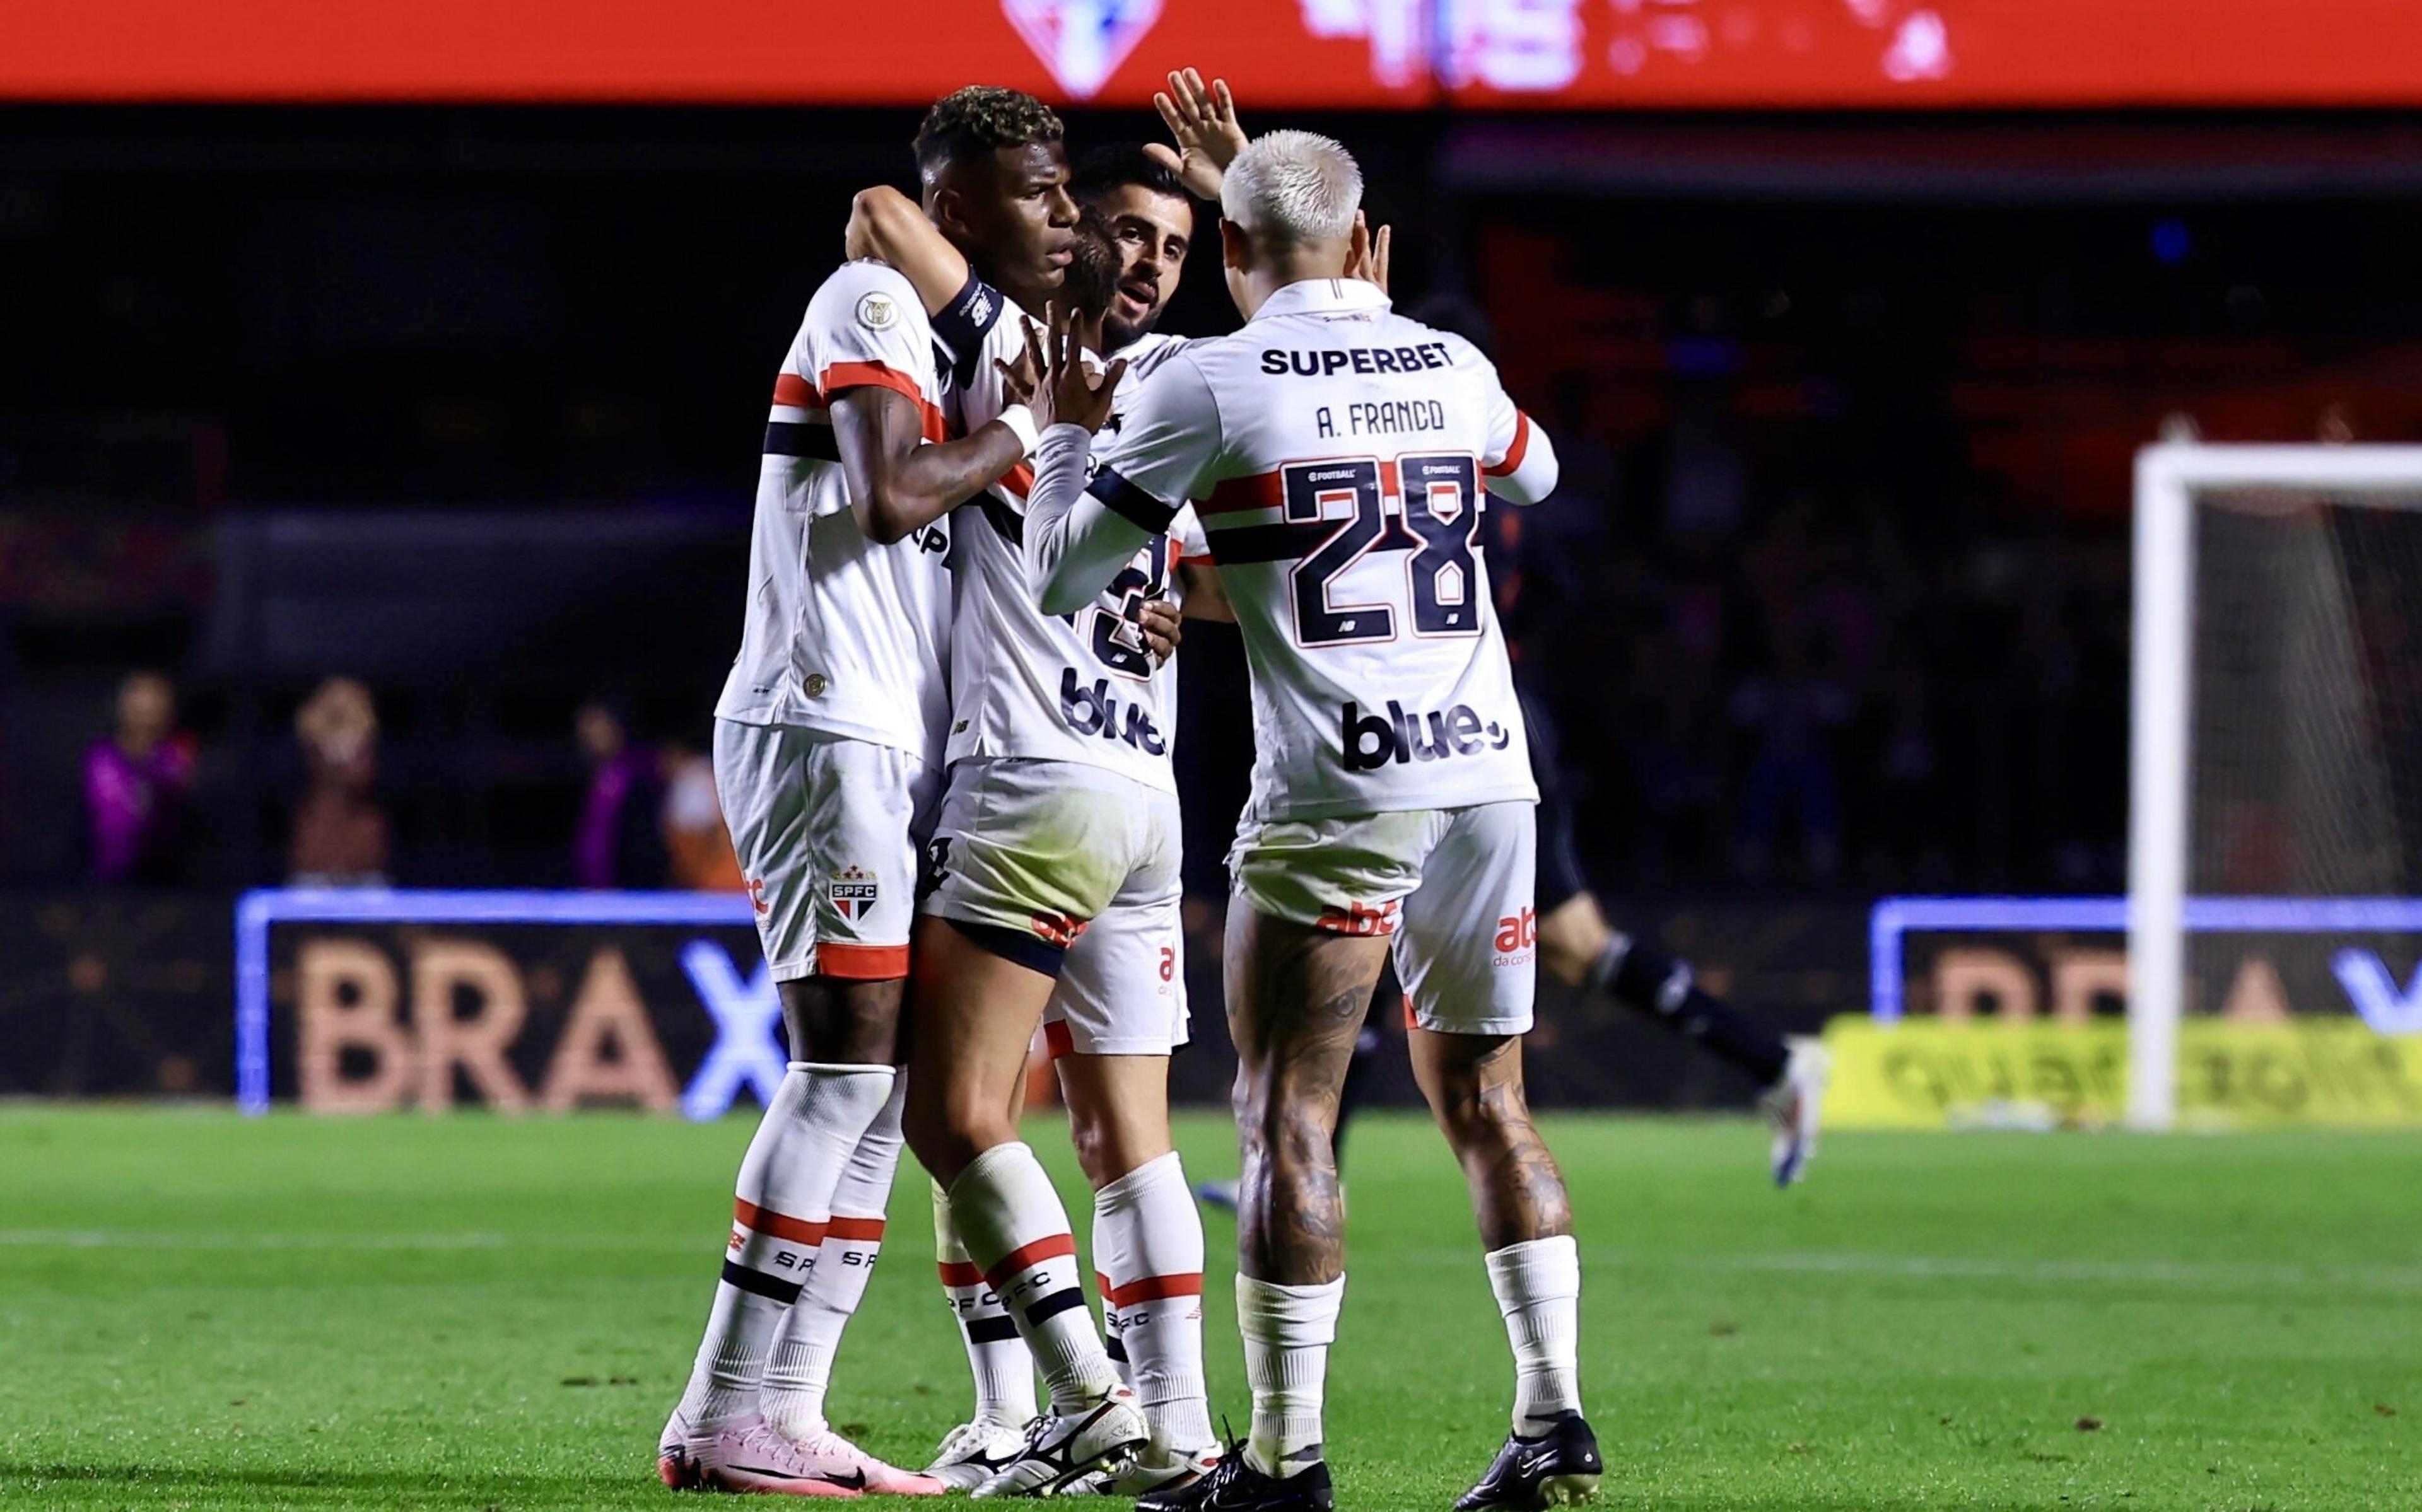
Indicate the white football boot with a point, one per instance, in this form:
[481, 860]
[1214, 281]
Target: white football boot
[1146, 1474]
[1792, 1105]
[1104, 1434]
[975, 1451]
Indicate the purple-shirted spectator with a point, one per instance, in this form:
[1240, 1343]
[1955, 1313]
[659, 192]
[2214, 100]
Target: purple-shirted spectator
[619, 843]
[136, 784]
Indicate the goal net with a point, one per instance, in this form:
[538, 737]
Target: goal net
[2275, 826]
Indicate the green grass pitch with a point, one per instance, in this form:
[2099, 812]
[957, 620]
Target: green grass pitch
[478, 1313]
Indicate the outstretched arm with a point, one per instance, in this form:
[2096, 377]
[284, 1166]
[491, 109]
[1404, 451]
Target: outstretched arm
[898, 483]
[889, 226]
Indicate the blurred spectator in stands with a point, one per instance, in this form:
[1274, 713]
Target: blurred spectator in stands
[137, 787]
[619, 842]
[699, 846]
[1791, 716]
[341, 831]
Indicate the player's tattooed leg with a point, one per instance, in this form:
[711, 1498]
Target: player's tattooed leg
[1296, 998]
[843, 1021]
[1474, 1087]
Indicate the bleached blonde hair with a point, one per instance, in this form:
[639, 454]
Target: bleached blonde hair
[1292, 187]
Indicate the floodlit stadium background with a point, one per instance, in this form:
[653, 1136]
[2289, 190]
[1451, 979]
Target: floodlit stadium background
[386, 379]
[417, 345]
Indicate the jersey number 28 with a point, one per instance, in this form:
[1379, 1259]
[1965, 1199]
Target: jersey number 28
[1437, 530]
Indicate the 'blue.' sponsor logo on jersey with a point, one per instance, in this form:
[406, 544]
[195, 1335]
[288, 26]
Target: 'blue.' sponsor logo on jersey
[1094, 711]
[1370, 741]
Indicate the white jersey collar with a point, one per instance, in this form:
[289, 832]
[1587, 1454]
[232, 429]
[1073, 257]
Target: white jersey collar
[1323, 296]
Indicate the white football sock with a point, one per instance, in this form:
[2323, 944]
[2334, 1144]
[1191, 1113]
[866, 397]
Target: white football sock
[781, 1205]
[1148, 1249]
[1003, 1368]
[801, 1368]
[1015, 1230]
[1287, 1333]
[1538, 1286]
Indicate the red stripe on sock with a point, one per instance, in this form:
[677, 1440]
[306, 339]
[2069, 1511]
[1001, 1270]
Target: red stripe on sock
[853, 1228]
[766, 1220]
[1050, 1247]
[1151, 1288]
[959, 1274]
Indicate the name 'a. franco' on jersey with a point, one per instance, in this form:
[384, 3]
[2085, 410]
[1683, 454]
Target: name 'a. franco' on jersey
[1080, 686]
[841, 634]
[1340, 457]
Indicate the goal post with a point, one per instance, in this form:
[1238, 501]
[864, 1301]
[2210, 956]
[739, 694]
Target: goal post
[2264, 758]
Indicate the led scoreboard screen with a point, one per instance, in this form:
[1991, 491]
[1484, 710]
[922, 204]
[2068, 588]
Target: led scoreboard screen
[1279, 54]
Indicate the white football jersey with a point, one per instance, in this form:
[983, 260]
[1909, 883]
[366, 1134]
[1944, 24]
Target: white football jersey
[843, 635]
[1079, 687]
[1338, 456]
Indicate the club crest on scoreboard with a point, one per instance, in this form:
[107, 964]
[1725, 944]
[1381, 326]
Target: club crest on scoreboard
[1082, 41]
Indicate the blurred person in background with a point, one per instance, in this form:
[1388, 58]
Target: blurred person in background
[691, 823]
[341, 831]
[138, 783]
[620, 840]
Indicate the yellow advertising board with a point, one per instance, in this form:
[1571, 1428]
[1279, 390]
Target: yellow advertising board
[1926, 1074]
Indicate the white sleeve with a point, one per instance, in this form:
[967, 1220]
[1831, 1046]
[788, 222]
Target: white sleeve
[867, 328]
[1193, 543]
[1520, 465]
[1081, 531]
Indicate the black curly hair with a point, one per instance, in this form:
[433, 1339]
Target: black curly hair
[978, 121]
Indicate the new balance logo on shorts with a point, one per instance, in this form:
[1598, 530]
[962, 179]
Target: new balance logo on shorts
[853, 893]
[1094, 711]
[1369, 742]
[1354, 919]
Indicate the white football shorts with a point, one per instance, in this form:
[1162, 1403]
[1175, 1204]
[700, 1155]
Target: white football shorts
[1451, 889]
[828, 831]
[1072, 870]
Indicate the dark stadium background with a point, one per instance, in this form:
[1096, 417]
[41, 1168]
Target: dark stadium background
[465, 401]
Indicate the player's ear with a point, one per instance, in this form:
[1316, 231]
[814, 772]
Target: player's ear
[946, 207]
[1233, 248]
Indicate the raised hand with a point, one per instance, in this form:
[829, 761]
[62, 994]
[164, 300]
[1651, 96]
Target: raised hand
[1203, 121]
[1366, 255]
[1070, 393]
[1019, 380]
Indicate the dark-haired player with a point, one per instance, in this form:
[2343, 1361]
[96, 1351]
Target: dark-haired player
[828, 759]
[1035, 839]
[1060, 766]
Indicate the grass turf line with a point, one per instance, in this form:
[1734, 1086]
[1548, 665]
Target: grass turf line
[476, 1313]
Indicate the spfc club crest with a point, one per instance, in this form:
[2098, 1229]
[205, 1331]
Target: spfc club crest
[853, 893]
[1082, 41]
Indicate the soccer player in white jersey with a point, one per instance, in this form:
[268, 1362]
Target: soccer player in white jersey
[1061, 725]
[827, 751]
[1338, 455]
